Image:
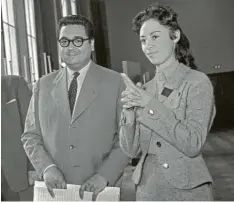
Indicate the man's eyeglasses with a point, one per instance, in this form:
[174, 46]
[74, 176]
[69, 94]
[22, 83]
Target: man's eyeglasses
[78, 42]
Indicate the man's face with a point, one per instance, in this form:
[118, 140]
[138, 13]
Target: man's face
[156, 42]
[75, 57]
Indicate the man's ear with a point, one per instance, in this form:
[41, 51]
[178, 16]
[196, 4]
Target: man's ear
[176, 36]
[92, 44]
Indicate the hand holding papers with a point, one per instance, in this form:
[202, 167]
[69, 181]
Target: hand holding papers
[72, 193]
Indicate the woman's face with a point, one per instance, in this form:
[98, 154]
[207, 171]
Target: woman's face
[156, 42]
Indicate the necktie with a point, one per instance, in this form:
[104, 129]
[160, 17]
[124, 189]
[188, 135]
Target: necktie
[73, 91]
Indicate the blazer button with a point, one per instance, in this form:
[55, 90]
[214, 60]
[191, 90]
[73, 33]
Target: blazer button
[158, 144]
[151, 112]
[71, 147]
[165, 165]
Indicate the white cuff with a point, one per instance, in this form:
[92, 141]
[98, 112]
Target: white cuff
[52, 165]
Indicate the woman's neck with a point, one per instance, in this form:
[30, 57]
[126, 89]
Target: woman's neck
[165, 64]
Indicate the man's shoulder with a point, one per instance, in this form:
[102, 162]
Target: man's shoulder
[108, 72]
[10, 78]
[46, 82]
[11, 81]
[49, 78]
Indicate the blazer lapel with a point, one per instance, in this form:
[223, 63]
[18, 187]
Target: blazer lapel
[161, 97]
[151, 88]
[174, 84]
[88, 91]
[60, 93]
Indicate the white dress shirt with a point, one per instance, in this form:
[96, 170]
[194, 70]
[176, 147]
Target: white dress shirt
[80, 79]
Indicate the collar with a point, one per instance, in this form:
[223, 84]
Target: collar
[174, 74]
[82, 72]
[168, 71]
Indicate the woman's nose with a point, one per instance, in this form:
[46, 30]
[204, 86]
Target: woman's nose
[148, 44]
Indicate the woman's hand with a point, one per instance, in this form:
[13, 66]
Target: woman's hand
[134, 95]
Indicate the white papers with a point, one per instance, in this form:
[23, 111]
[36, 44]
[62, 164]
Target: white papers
[72, 193]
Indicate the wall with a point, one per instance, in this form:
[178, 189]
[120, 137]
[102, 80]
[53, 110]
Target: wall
[207, 23]
[22, 44]
[47, 14]
[3, 54]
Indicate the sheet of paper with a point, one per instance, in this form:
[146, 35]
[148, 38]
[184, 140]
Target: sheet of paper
[72, 193]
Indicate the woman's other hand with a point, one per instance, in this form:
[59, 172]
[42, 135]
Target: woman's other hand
[134, 95]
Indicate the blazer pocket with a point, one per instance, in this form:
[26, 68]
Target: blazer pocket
[11, 111]
[11, 101]
[186, 173]
[174, 99]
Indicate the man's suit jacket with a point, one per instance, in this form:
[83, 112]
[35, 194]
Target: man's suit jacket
[15, 100]
[81, 145]
[174, 128]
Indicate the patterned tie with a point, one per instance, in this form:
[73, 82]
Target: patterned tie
[73, 91]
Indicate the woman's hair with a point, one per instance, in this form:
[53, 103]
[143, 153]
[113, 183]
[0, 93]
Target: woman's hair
[167, 17]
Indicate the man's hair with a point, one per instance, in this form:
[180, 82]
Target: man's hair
[168, 17]
[77, 20]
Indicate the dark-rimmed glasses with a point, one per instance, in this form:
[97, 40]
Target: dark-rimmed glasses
[78, 42]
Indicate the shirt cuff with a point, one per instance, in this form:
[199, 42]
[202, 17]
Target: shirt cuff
[107, 182]
[52, 165]
[127, 118]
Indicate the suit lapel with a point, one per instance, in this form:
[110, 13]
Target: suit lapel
[3, 97]
[88, 91]
[60, 93]
[7, 92]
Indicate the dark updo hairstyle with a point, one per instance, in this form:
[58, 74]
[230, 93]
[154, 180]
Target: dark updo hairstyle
[167, 17]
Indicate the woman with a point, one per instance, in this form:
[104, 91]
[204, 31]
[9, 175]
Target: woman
[166, 121]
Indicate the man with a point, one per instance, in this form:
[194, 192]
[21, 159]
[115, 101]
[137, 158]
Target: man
[71, 131]
[15, 100]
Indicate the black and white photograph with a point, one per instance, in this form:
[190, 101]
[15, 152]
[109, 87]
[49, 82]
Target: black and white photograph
[117, 100]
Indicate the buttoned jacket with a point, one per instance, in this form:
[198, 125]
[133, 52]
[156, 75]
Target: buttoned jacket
[173, 126]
